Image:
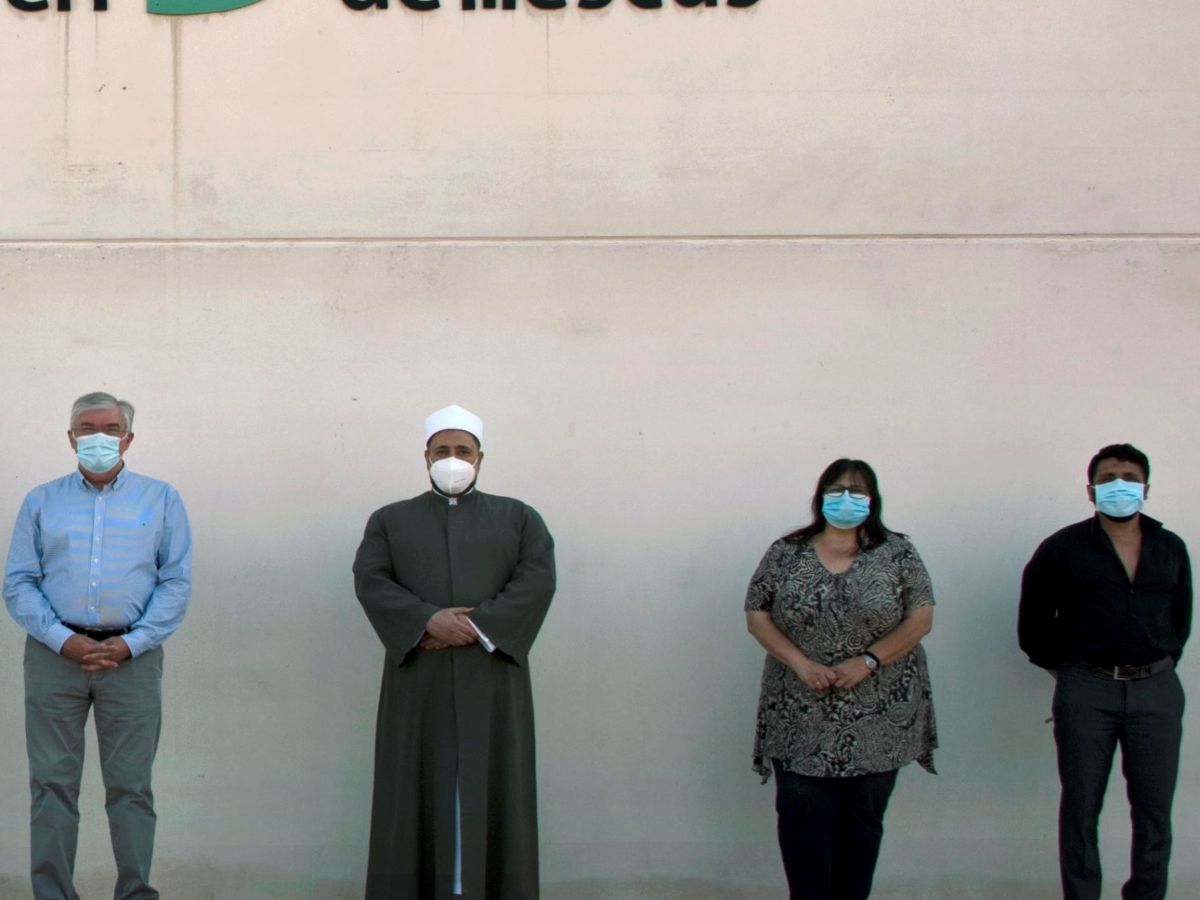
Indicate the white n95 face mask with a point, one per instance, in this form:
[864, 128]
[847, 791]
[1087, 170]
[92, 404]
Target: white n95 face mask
[451, 475]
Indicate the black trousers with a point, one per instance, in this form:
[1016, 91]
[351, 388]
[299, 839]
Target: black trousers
[1092, 715]
[830, 830]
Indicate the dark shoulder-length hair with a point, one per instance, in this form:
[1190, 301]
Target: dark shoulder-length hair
[872, 531]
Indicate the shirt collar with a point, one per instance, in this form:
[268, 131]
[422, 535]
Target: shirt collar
[1145, 523]
[114, 485]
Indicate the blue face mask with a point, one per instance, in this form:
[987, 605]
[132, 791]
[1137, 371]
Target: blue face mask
[843, 511]
[98, 452]
[1119, 499]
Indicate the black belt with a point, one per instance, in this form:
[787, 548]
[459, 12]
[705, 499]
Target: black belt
[98, 634]
[1131, 673]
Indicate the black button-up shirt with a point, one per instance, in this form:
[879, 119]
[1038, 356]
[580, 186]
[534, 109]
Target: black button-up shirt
[1078, 604]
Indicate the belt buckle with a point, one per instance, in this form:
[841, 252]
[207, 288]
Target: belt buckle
[1127, 673]
[90, 632]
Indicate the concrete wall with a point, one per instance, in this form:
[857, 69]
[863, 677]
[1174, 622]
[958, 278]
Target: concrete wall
[678, 260]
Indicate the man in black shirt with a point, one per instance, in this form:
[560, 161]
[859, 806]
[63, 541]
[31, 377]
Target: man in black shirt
[1106, 606]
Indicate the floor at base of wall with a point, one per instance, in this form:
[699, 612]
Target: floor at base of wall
[211, 883]
[940, 889]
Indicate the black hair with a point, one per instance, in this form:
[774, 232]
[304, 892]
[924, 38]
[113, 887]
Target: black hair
[1123, 453]
[872, 531]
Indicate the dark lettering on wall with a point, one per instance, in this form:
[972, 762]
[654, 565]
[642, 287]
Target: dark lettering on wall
[427, 5]
[61, 5]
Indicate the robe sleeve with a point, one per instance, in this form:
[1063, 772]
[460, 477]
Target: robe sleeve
[398, 615]
[512, 618]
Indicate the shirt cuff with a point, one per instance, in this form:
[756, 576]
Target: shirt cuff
[57, 635]
[136, 647]
[483, 638]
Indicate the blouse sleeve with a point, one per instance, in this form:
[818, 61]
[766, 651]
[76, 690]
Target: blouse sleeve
[760, 595]
[915, 585]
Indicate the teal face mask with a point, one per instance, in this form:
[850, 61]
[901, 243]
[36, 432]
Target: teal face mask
[843, 511]
[98, 452]
[1119, 499]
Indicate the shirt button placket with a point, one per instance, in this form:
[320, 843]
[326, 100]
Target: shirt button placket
[94, 569]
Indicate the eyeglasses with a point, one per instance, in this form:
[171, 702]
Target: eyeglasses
[87, 431]
[856, 493]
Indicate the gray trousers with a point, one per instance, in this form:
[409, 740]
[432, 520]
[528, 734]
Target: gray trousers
[128, 705]
[1092, 716]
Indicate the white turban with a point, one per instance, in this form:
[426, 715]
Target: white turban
[454, 417]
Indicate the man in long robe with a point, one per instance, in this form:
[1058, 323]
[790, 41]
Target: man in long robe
[456, 583]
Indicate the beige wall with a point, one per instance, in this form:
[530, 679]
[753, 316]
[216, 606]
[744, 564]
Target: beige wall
[303, 118]
[287, 233]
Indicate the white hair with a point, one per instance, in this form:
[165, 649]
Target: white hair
[101, 400]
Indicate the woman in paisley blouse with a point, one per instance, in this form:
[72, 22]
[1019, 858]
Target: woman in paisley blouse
[840, 606]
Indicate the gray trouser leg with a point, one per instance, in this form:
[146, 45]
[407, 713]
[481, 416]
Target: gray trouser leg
[1092, 716]
[56, 710]
[1150, 762]
[128, 703]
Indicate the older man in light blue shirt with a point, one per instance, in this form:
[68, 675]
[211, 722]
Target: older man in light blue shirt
[99, 575]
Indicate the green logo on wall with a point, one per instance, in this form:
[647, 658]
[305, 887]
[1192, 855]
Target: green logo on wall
[194, 7]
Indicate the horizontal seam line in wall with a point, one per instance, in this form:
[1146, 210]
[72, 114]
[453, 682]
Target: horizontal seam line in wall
[998, 237]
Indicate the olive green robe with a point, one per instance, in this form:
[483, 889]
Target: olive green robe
[460, 716]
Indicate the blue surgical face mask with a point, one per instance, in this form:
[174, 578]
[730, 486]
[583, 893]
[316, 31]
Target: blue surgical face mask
[1119, 499]
[843, 511]
[98, 452]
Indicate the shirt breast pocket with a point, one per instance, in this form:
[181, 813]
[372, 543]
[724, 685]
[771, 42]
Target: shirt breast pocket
[1159, 591]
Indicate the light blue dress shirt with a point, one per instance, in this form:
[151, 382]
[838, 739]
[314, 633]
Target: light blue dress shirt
[116, 558]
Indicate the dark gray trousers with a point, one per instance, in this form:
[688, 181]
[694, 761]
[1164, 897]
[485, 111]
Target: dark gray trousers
[1093, 714]
[128, 704]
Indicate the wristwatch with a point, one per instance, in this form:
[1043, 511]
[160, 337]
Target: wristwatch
[871, 660]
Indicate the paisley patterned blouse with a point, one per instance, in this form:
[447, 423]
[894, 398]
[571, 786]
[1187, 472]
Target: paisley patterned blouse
[884, 721]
